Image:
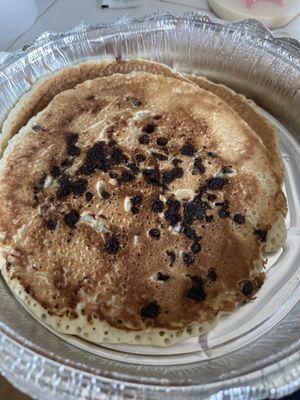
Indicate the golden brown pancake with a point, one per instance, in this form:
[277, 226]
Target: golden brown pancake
[47, 88]
[136, 208]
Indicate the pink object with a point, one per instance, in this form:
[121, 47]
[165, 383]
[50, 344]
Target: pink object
[250, 3]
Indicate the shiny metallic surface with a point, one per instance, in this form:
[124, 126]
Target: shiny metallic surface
[246, 57]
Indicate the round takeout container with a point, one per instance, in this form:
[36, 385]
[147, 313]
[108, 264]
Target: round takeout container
[254, 353]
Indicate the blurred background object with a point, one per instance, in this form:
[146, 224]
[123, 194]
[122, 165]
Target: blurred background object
[16, 16]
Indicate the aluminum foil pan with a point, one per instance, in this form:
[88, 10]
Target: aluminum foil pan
[262, 359]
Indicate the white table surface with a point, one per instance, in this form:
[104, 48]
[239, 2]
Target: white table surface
[61, 15]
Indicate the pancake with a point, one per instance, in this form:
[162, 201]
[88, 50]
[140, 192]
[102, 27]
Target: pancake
[136, 208]
[47, 88]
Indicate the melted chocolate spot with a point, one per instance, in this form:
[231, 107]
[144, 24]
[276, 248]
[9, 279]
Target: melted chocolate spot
[172, 213]
[51, 224]
[87, 168]
[65, 187]
[137, 200]
[195, 248]
[55, 171]
[152, 176]
[188, 259]
[194, 210]
[189, 232]
[198, 166]
[140, 158]
[150, 310]
[209, 218]
[112, 245]
[188, 149]
[71, 218]
[224, 212]
[163, 277]
[159, 156]
[157, 206]
[155, 233]
[67, 162]
[172, 256]
[246, 288]
[162, 141]
[196, 292]
[216, 183]
[105, 195]
[135, 210]
[72, 138]
[149, 128]
[211, 197]
[89, 196]
[73, 150]
[134, 168]
[144, 139]
[79, 186]
[172, 175]
[118, 156]
[176, 162]
[239, 219]
[126, 177]
[261, 234]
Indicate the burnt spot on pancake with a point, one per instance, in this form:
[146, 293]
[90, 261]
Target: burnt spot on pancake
[163, 277]
[159, 156]
[118, 156]
[144, 139]
[140, 158]
[126, 177]
[38, 128]
[198, 166]
[151, 310]
[51, 224]
[172, 175]
[246, 288]
[239, 219]
[188, 259]
[196, 291]
[152, 176]
[55, 171]
[157, 206]
[216, 183]
[195, 247]
[172, 214]
[154, 233]
[172, 256]
[212, 154]
[79, 186]
[262, 234]
[89, 196]
[112, 245]
[212, 275]
[71, 218]
[134, 101]
[188, 149]
[148, 128]
[65, 187]
[162, 141]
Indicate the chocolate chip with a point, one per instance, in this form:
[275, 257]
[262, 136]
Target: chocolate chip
[65, 187]
[195, 247]
[112, 142]
[212, 155]
[148, 128]
[198, 166]
[155, 233]
[194, 210]
[176, 161]
[71, 218]
[96, 152]
[188, 149]
[134, 168]
[196, 292]
[113, 175]
[216, 183]
[239, 219]
[224, 212]
[159, 156]
[152, 176]
[135, 102]
[211, 197]
[246, 288]
[172, 256]
[189, 232]
[135, 210]
[162, 141]
[212, 275]
[87, 168]
[112, 245]
[73, 150]
[89, 196]
[105, 195]
[144, 139]
[126, 177]
[118, 156]
[67, 162]
[172, 175]
[150, 310]
[51, 224]
[137, 200]
[174, 204]
[79, 186]
[55, 171]
[72, 138]
[157, 206]
[188, 259]
[261, 234]
[162, 277]
[140, 158]
[172, 213]
[209, 218]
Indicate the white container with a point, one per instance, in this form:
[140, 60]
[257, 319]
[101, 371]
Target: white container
[273, 13]
[16, 16]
